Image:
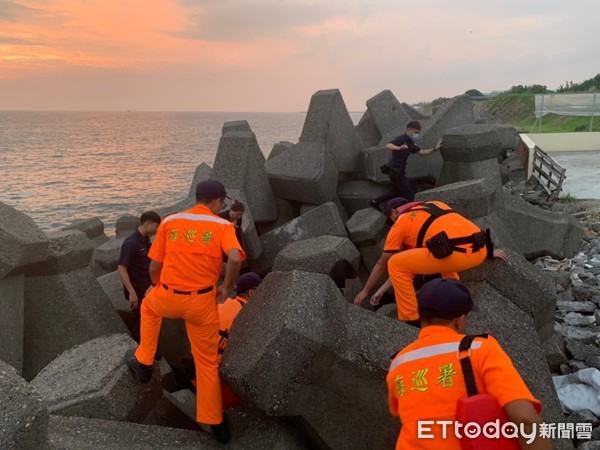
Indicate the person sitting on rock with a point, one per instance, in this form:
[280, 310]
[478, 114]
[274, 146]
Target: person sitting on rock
[426, 238]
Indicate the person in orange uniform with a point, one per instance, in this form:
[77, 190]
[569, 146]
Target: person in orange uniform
[425, 379]
[245, 287]
[187, 257]
[420, 231]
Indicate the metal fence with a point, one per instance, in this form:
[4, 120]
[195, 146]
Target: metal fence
[548, 173]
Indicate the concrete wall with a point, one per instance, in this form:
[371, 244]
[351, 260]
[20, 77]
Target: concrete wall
[566, 142]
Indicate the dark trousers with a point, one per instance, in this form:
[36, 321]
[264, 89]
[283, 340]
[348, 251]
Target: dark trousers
[401, 188]
[140, 290]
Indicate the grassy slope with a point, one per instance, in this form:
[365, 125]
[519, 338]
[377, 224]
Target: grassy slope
[518, 110]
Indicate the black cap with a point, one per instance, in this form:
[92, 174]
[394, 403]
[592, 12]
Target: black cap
[445, 298]
[211, 189]
[247, 281]
[393, 204]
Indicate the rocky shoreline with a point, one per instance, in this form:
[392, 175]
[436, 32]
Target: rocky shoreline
[308, 362]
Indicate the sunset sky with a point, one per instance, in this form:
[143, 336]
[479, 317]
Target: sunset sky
[272, 55]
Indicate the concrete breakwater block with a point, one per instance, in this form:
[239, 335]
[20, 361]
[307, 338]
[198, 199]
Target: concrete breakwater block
[471, 152]
[92, 227]
[387, 117]
[279, 148]
[126, 225]
[12, 320]
[456, 112]
[300, 349]
[355, 195]
[317, 255]
[62, 311]
[524, 285]
[366, 227]
[324, 220]
[107, 255]
[23, 413]
[92, 380]
[67, 251]
[203, 172]
[471, 199]
[251, 244]
[249, 431]
[240, 164]
[538, 232]
[328, 122]
[305, 173]
[112, 286]
[21, 241]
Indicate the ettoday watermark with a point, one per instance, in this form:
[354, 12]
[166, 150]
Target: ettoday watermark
[496, 430]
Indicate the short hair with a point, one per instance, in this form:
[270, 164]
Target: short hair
[414, 124]
[149, 216]
[237, 206]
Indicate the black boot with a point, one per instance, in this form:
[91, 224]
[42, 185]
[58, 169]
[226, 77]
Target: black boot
[221, 431]
[142, 372]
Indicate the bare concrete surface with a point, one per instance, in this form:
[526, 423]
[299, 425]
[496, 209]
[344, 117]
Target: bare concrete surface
[583, 171]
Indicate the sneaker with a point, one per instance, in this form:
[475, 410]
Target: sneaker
[375, 204]
[221, 431]
[142, 372]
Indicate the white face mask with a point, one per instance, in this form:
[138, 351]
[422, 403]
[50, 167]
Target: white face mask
[416, 137]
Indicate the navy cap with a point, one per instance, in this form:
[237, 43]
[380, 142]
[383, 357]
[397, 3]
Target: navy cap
[445, 298]
[393, 204]
[211, 189]
[247, 281]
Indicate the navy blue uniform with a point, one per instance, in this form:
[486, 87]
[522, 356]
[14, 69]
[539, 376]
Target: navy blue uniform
[134, 256]
[397, 163]
[399, 158]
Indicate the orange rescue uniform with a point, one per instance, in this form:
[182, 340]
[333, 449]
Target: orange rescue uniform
[426, 380]
[228, 310]
[190, 246]
[403, 265]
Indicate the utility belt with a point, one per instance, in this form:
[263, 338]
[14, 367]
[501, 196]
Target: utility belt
[198, 292]
[440, 245]
[387, 169]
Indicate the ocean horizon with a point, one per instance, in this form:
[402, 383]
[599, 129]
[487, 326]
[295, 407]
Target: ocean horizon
[60, 166]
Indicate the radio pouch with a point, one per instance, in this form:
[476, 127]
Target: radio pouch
[439, 245]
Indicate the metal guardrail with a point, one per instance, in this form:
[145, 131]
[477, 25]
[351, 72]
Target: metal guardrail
[548, 173]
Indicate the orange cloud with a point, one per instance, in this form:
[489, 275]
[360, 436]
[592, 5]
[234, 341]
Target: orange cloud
[132, 35]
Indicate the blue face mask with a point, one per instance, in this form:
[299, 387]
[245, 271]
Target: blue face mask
[416, 137]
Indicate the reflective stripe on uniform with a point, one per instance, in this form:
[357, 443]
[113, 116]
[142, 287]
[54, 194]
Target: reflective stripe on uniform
[427, 352]
[196, 217]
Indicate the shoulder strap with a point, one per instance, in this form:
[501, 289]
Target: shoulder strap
[434, 212]
[465, 363]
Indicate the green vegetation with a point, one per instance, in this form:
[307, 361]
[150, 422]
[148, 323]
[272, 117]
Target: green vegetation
[516, 107]
[568, 198]
[474, 93]
[591, 85]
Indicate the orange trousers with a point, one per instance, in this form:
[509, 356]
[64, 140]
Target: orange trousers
[201, 318]
[403, 266]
